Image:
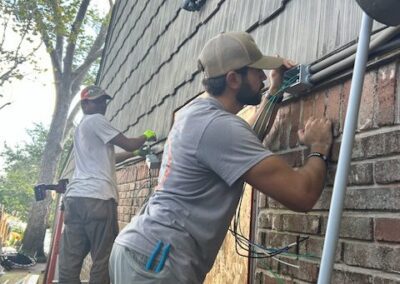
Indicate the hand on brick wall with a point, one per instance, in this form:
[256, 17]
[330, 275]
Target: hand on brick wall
[317, 134]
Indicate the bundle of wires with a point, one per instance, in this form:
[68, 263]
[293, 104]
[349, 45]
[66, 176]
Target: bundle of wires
[256, 251]
[263, 120]
[241, 242]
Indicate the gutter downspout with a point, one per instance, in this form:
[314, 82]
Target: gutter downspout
[340, 183]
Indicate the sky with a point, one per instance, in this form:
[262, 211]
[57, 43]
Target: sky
[32, 99]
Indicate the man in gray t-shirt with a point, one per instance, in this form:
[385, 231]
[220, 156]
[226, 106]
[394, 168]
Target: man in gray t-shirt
[210, 152]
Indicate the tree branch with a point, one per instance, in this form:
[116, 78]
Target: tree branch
[76, 26]
[6, 21]
[55, 60]
[6, 104]
[59, 28]
[94, 53]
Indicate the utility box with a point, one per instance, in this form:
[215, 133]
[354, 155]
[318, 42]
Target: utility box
[297, 80]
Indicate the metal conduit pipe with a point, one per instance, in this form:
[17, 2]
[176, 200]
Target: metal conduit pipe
[347, 51]
[394, 44]
[319, 76]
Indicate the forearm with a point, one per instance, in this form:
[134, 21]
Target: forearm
[122, 156]
[314, 174]
[136, 143]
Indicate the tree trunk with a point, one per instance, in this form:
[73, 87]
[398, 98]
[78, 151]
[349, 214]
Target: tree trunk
[33, 241]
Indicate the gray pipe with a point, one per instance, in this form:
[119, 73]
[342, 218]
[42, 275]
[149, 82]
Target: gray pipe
[336, 65]
[339, 189]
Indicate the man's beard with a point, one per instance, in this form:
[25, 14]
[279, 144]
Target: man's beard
[247, 96]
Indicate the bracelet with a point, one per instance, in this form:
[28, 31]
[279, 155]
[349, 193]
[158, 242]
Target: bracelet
[319, 155]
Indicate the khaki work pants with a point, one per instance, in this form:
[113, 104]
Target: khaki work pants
[90, 225]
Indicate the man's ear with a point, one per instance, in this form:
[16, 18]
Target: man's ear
[84, 106]
[233, 80]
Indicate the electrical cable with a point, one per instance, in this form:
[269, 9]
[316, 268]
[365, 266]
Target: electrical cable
[262, 122]
[257, 251]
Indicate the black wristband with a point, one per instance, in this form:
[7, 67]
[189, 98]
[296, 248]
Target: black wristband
[319, 155]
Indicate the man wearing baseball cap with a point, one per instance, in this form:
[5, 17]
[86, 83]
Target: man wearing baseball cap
[210, 152]
[90, 202]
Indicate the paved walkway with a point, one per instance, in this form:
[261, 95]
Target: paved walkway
[15, 276]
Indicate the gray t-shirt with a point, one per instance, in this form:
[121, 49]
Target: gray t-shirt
[205, 155]
[94, 174]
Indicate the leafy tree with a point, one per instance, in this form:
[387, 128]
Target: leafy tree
[21, 172]
[74, 35]
[17, 44]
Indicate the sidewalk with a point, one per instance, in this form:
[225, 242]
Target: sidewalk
[16, 276]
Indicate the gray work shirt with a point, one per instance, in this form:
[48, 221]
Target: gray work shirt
[207, 151]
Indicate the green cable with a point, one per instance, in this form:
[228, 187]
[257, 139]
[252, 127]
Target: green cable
[272, 101]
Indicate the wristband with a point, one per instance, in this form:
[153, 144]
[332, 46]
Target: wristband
[319, 155]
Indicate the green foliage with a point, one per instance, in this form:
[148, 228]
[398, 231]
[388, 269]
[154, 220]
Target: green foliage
[17, 44]
[21, 172]
[51, 21]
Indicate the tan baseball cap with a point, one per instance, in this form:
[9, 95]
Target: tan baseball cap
[231, 51]
[93, 92]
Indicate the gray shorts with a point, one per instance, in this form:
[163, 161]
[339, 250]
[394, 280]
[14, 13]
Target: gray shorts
[128, 266]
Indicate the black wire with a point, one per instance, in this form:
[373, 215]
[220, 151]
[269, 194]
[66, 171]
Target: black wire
[248, 244]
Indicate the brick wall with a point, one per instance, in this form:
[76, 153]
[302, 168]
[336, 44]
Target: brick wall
[135, 184]
[368, 250]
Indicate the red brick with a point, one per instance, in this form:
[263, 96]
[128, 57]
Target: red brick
[373, 198]
[344, 100]
[376, 256]
[360, 174]
[295, 110]
[320, 104]
[324, 201]
[367, 105]
[131, 173]
[386, 94]
[275, 279]
[275, 204]
[276, 239]
[392, 142]
[268, 264]
[262, 200]
[121, 175]
[304, 223]
[272, 139]
[387, 229]
[339, 276]
[264, 221]
[333, 107]
[358, 151]
[284, 117]
[308, 110]
[387, 171]
[308, 271]
[270, 221]
[142, 171]
[335, 151]
[356, 227]
[386, 280]
[313, 247]
[373, 146]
